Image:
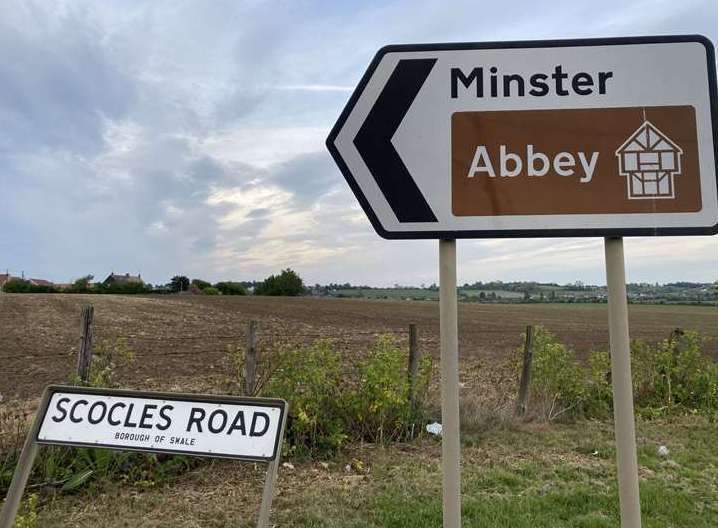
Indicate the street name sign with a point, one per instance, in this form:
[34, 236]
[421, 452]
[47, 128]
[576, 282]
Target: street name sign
[157, 422]
[598, 137]
[227, 427]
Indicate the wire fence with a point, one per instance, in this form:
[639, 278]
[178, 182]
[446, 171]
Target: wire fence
[66, 347]
[166, 343]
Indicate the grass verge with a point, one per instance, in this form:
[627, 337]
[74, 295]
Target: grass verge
[531, 475]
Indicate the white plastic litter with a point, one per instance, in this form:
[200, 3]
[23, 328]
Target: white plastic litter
[434, 428]
[663, 451]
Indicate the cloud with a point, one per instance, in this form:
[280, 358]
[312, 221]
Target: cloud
[59, 82]
[317, 88]
[178, 137]
[263, 147]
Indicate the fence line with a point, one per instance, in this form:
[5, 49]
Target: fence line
[263, 340]
[347, 337]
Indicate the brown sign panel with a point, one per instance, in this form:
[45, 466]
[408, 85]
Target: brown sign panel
[578, 161]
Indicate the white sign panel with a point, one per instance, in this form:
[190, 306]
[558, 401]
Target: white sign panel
[599, 137]
[244, 428]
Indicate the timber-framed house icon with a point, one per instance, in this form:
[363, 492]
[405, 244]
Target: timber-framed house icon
[650, 162]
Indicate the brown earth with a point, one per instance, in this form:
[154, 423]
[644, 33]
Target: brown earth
[178, 338]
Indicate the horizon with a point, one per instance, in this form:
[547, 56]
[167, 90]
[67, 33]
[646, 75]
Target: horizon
[395, 285]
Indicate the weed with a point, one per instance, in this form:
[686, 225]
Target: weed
[558, 382]
[329, 406]
[27, 515]
[108, 355]
[672, 376]
[379, 409]
[310, 379]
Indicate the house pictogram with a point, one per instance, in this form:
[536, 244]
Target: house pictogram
[650, 161]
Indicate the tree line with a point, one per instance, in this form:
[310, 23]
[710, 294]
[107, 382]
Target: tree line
[286, 283]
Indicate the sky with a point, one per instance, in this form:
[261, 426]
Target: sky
[177, 137]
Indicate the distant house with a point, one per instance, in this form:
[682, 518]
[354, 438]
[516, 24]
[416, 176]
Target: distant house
[115, 279]
[650, 161]
[41, 282]
[6, 277]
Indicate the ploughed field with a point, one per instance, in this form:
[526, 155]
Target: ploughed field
[176, 338]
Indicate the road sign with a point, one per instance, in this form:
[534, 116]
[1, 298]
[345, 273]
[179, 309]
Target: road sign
[599, 137]
[225, 427]
[200, 425]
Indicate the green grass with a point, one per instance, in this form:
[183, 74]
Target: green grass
[531, 476]
[389, 293]
[419, 293]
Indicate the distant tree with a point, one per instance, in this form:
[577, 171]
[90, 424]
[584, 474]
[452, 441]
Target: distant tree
[179, 283]
[16, 286]
[287, 283]
[210, 290]
[201, 284]
[82, 285]
[130, 288]
[23, 286]
[231, 288]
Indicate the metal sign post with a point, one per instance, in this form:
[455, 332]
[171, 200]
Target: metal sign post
[450, 439]
[240, 428]
[622, 385]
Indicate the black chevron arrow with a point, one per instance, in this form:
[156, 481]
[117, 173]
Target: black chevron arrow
[373, 141]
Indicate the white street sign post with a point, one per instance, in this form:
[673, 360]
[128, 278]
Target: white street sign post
[450, 434]
[622, 383]
[201, 425]
[596, 137]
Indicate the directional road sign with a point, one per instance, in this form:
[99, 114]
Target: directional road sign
[604, 137]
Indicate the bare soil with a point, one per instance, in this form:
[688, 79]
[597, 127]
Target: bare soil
[181, 337]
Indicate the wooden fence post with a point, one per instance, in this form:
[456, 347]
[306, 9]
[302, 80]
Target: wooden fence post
[414, 357]
[522, 401]
[84, 354]
[250, 360]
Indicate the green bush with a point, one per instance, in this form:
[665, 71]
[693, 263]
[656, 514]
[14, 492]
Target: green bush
[379, 409]
[329, 406]
[672, 376]
[287, 283]
[81, 285]
[210, 290]
[231, 288]
[130, 288]
[200, 284]
[309, 378]
[598, 401]
[558, 383]
[23, 286]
